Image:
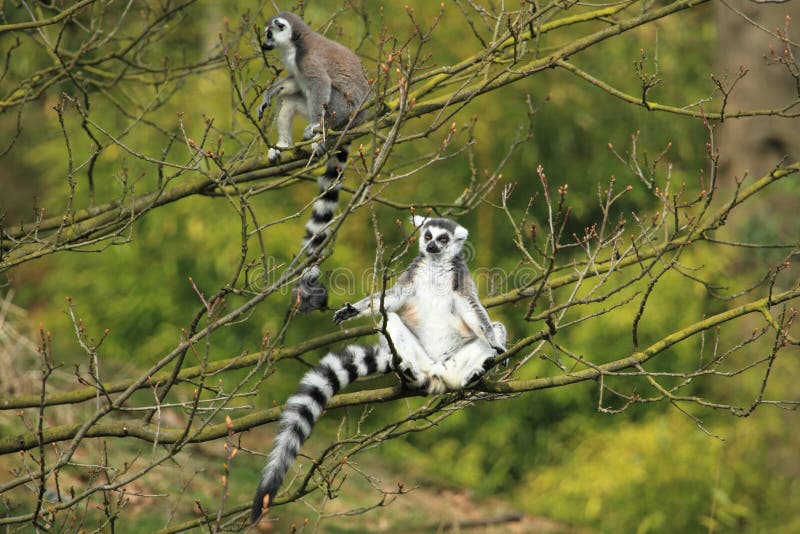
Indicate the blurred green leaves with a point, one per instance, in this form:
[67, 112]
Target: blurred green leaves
[552, 452]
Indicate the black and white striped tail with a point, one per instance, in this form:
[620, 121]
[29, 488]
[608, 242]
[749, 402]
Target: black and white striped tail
[334, 372]
[310, 293]
[324, 207]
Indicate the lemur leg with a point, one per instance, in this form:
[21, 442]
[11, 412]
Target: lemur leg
[290, 106]
[414, 364]
[319, 102]
[471, 362]
[336, 116]
[465, 366]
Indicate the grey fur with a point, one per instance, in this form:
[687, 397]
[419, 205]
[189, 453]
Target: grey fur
[325, 82]
[310, 294]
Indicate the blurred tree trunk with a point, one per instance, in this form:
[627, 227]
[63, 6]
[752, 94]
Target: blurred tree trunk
[755, 145]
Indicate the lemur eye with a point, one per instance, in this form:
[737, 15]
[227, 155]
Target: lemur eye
[280, 25]
[428, 236]
[443, 239]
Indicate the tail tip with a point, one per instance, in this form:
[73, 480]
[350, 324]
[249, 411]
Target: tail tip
[260, 507]
[310, 294]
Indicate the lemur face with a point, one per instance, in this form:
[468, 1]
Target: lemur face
[440, 238]
[278, 32]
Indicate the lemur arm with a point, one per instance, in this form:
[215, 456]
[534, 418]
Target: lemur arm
[318, 94]
[393, 299]
[471, 311]
[283, 87]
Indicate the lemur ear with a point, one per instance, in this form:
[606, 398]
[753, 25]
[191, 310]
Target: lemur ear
[461, 233]
[418, 220]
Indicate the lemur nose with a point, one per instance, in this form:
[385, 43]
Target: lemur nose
[432, 248]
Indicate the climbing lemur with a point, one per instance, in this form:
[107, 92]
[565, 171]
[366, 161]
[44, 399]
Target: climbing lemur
[325, 83]
[442, 337]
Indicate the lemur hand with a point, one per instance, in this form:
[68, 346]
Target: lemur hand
[264, 104]
[493, 342]
[496, 337]
[499, 349]
[498, 346]
[267, 99]
[344, 313]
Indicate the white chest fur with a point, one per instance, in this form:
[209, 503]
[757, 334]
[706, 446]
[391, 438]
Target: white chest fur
[288, 56]
[435, 323]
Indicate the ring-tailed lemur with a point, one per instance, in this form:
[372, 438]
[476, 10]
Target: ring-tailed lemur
[325, 83]
[442, 336]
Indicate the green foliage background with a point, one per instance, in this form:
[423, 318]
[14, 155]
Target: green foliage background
[551, 453]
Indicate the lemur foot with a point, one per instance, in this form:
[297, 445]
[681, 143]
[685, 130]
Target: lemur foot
[436, 386]
[410, 374]
[473, 377]
[274, 155]
[436, 382]
[311, 130]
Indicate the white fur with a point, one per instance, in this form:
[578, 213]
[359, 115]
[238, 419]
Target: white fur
[295, 418]
[336, 366]
[319, 381]
[301, 399]
[439, 336]
[418, 220]
[324, 206]
[314, 228]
